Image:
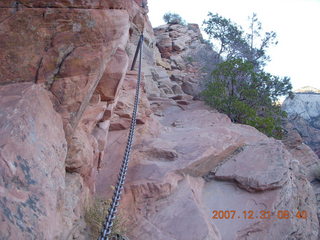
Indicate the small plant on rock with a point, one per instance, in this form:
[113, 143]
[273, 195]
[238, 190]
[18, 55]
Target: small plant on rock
[173, 18]
[95, 217]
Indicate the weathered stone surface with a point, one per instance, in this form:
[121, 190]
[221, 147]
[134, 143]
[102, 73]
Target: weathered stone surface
[33, 150]
[164, 43]
[75, 198]
[123, 110]
[306, 106]
[258, 167]
[302, 152]
[132, 7]
[87, 144]
[70, 48]
[189, 57]
[165, 187]
[304, 113]
[67, 50]
[113, 76]
[296, 195]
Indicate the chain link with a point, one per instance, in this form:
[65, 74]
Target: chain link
[107, 226]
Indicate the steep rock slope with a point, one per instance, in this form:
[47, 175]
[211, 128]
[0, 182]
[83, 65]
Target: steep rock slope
[304, 113]
[66, 94]
[192, 161]
[62, 64]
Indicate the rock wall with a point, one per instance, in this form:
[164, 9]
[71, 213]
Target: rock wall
[32, 151]
[66, 100]
[187, 57]
[189, 160]
[304, 114]
[62, 68]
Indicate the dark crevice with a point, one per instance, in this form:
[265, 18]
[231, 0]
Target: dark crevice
[58, 100]
[38, 70]
[60, 66]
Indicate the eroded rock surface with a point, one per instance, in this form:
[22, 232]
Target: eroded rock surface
[304, 113]
[66, 101]
[180, 173]
[187, 57]
[32, 153]
[74, 53]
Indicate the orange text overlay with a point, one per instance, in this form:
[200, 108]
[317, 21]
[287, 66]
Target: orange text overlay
[263, 214]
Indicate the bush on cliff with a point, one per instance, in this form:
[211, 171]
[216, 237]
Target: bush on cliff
[239, 86]
[248, 96]
[173, 18]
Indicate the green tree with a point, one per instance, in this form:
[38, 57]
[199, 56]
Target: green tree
[248, 96]
[240, 87]
[173, 18]
[258, 42]
[228, 34]
[236, 43]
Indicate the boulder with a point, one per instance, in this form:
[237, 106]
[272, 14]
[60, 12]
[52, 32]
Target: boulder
[33, 149]
[258, 167]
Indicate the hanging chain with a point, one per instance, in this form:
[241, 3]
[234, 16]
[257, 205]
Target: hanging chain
[107, 226]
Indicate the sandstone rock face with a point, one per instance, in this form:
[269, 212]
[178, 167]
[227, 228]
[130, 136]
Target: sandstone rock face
[186, 55]
[190, 161]
[122, 113]
[310, 163]
[304, 113]
[302, 152]
[33, 150]
[75, 53]
[66, 101]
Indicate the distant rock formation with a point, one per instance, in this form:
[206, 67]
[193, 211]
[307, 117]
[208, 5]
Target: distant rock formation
[304, 113]
[307, 90]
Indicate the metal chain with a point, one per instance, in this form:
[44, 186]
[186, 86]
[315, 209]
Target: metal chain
[107, 226]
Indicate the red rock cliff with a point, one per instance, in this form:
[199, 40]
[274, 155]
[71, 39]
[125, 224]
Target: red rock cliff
[65, 107]
[62, 65]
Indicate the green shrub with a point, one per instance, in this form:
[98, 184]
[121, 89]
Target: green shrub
[173, 18]
[247, 96]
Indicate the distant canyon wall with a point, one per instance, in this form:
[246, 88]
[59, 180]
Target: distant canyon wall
[304, 114]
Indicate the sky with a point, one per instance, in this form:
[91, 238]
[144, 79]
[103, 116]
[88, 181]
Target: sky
[296, 22]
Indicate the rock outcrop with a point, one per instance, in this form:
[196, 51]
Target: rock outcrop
[186, 56]
[33, 149]
[66, 101]
[62, 65]
[192, 161]
[304, 114]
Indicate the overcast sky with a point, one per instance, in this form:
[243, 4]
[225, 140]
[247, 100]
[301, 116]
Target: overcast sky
[296, 22]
